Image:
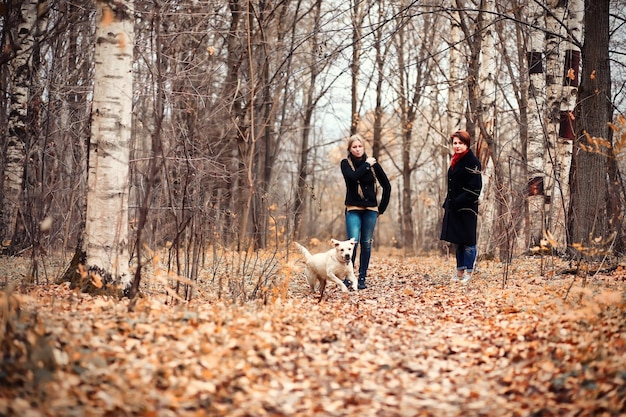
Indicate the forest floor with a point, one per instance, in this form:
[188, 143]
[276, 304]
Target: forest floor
[412, 344]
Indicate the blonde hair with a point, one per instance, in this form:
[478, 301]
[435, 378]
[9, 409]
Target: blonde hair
[353, 139]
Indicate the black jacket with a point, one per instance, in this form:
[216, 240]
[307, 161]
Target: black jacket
[461, 206]
[363, 174]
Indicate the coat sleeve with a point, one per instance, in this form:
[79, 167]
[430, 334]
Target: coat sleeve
[383, 180]
[353, 175]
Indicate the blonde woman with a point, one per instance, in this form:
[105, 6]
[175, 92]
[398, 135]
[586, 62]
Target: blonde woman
[363, 175]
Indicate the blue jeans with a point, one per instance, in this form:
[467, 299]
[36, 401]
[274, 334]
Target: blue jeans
[360, 226]
[465, 257]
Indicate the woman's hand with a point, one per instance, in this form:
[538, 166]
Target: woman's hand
[371, 160]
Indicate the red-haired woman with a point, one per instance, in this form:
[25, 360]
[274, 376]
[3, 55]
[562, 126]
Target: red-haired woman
[461, 206]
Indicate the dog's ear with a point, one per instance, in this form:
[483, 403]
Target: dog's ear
[353, 241]
[335, 242]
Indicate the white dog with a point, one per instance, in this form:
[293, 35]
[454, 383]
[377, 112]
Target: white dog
[334, 264]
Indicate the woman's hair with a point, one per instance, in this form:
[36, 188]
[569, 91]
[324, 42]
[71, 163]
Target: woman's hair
[463, 136]
[353, 139]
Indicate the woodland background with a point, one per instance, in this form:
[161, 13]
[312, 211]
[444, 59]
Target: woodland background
[240, 112]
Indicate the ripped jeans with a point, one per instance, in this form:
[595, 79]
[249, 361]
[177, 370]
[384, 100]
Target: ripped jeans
[360, 226]
[465, 257]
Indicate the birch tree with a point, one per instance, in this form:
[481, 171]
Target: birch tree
[484, 107]
[456, 92]
[17, 135]
[535, 112]
[457, 95]
[106, 230]
[563, 42]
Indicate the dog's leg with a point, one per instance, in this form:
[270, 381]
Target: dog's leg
[352, 278]
[311, 278]
[337, 281]
[322, 287]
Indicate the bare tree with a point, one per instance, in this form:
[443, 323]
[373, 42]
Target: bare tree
[310, 100]
[596, 203]
[18, 136]
[563, 43]
[413, 42]
[357, 16]
[535, 146]
[106, 238]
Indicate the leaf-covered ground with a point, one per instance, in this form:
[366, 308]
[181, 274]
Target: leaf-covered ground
[413, 344]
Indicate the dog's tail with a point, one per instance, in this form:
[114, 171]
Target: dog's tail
[304, 250]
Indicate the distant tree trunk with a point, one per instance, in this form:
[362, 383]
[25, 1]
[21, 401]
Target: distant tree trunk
[355, 64]
[456, 92]
[247, 147]
[457, 99]
[410, 93]
[381, 49]
[35, 201]
[70, 142]
[407, 117]
[229, 200]
[381, 53]
[536, 133]
[310, 102]
[17, 136]
[595, 207]
[106, 236]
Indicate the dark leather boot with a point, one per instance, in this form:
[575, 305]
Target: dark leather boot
[361, 284]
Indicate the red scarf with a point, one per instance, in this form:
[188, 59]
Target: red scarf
[456, 157]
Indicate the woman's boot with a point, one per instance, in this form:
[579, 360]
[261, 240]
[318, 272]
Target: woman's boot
[361, 283]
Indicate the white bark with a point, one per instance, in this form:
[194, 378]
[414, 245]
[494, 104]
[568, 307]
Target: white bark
[456, 93]
[535, 113]
[562, 100]
[456, 81]
[20, 74]
[487, 94]
[106, 229]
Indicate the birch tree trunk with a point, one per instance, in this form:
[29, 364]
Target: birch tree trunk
[457, 95]
[106, 230]
[535, 113]
[456, 92]
[562, 75]
[17, 125]
[486, 132]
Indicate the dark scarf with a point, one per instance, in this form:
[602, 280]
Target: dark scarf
[357, 162]
[456, 157]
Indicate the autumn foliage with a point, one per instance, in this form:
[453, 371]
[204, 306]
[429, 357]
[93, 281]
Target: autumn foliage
[411, 345]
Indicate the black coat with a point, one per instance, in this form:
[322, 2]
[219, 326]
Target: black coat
[362, 174]
[461, 206]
